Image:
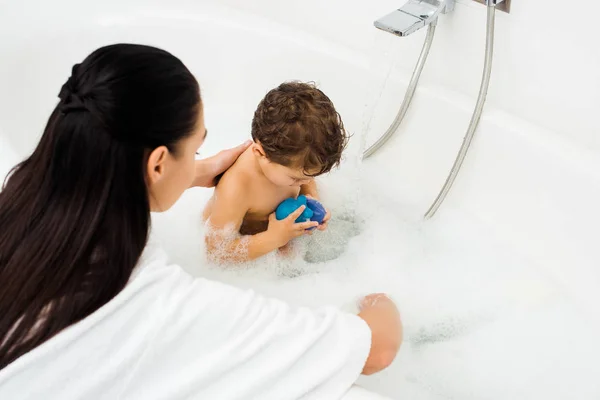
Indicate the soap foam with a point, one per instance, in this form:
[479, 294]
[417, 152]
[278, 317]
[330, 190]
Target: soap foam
[473, 310]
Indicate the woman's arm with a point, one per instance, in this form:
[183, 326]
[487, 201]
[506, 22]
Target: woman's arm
[227, 341]
[382, 316]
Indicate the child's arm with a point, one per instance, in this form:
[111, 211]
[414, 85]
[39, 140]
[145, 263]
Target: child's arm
[229, 210]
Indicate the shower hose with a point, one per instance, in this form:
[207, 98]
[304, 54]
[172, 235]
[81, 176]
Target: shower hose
[485, 83]
[410, 92]
[487, 71]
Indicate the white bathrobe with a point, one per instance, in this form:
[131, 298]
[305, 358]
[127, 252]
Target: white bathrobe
[170, 336]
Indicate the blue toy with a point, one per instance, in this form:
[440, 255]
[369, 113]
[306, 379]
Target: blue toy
[314, 210]
[318, 210]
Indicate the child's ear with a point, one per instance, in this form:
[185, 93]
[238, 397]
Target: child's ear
[258, 150]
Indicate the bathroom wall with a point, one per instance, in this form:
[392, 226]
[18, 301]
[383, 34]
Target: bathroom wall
[546, 65]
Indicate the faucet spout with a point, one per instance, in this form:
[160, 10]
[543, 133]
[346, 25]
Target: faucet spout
[414, 15]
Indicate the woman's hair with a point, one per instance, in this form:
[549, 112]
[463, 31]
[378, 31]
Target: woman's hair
[75, 215]
[298, 126]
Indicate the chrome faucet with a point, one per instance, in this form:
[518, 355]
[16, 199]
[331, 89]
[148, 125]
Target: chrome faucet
[414, 15]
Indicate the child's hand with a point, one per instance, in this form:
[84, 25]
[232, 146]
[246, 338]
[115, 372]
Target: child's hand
[325, 222]
[281, 232]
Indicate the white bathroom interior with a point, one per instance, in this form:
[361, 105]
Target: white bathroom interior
[500, 289]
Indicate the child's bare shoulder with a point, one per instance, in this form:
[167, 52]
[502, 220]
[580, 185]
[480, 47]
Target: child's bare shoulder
[229, 203]
[233, 186]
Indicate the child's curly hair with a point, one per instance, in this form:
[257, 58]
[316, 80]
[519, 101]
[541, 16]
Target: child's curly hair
[298, 126]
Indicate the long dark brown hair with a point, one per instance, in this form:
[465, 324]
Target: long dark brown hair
[75, 215]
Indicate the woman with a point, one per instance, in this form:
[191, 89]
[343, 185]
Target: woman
[88, 309]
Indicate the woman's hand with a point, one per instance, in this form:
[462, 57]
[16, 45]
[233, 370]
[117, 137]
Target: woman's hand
[383, 318]
[208, 169]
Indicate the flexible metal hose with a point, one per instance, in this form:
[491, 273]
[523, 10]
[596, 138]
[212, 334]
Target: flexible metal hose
[485, 82]
[410, 92]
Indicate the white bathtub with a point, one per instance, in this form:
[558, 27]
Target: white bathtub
[499, 292]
